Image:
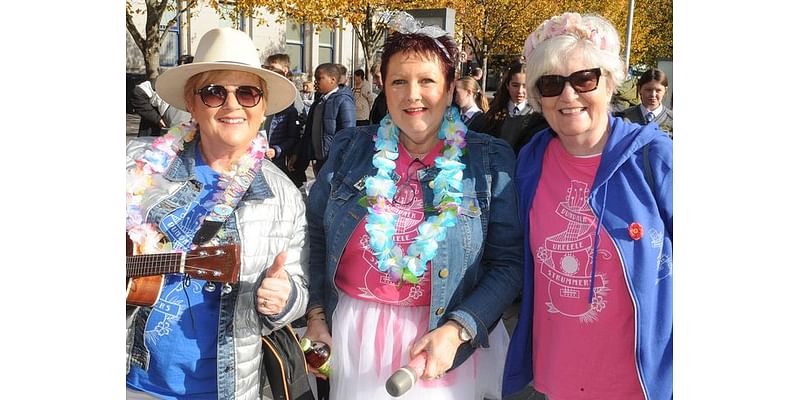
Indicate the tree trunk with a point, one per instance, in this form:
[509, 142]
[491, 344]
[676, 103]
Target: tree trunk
[152, 60]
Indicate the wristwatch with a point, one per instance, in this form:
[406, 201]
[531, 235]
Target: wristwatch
[463, 333]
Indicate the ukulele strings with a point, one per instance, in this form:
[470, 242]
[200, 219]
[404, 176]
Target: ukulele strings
[187, 277]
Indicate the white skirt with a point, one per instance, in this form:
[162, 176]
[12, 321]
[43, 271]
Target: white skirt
[372, 340]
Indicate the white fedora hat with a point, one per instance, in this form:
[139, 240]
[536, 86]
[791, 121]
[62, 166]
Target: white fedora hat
[230, 50]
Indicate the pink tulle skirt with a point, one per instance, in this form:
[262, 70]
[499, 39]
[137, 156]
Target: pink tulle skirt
[371, 340]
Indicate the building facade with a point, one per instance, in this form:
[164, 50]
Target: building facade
[306, 47]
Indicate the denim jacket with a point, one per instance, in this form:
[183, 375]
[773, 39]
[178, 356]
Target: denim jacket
[269, 219]
[477, 271]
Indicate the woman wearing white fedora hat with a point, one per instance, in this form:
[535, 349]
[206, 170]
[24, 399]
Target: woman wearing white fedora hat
[204, 184]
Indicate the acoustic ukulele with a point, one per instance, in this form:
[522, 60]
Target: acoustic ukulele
[145, 273]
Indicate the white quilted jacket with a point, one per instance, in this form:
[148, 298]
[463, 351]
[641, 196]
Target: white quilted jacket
[266, 227]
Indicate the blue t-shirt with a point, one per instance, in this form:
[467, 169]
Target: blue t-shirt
[181, 331]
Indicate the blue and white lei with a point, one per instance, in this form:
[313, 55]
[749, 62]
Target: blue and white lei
[447, 194]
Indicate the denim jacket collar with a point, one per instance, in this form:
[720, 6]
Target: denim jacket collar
[182, 169]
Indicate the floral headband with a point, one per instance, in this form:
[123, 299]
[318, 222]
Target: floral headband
[566, 24]
[404, 23]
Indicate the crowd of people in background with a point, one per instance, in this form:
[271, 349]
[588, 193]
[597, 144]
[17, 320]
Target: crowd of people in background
[520, 243]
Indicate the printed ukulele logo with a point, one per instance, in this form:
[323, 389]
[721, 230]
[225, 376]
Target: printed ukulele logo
[566, 259]
[408, 219]
[167, 311]
[664, 267]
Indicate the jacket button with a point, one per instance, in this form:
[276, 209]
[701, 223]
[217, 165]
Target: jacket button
[440, 311]
[444, 273]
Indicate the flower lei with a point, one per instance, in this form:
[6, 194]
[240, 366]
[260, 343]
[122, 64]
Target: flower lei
[155, 160]
[447, 194]
[566, 24]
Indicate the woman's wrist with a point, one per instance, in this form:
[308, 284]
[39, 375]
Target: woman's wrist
[315, 314]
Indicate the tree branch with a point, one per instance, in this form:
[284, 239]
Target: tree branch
[137, 37]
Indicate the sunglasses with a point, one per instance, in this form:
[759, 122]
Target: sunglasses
[582, 81]
[405, 194]
[214, 96]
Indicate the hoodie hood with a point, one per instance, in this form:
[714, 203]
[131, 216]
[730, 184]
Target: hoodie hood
[624, 139]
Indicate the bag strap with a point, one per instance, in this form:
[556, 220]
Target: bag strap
[648, 169]
[229, 199]
[648, 176]
[284, 366]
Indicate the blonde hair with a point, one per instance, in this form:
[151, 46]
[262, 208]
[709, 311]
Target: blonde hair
[470, 84]
[546, 51]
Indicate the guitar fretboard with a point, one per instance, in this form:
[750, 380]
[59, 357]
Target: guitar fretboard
[154, 264]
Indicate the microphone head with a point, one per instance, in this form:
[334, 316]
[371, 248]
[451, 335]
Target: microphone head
[400, 382]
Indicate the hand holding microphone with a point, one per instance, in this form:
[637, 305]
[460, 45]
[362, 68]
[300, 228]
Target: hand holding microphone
[404, 378]
[435, 352]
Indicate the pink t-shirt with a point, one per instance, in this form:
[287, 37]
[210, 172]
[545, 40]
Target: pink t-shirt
[358, 273]
[580, 350]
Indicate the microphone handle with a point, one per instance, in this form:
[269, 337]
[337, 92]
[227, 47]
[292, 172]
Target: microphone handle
[404, 378]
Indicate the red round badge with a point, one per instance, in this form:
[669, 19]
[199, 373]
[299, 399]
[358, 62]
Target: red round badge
[635, 230]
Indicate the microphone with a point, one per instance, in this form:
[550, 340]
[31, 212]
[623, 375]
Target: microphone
[404, 378]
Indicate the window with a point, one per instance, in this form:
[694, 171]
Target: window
[295, 43]
[169, 51]
[326, 44]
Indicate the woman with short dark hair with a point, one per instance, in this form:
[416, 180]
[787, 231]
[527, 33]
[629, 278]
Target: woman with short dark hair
[416, 250]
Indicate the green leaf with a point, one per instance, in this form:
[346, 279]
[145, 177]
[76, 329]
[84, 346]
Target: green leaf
[409, 277]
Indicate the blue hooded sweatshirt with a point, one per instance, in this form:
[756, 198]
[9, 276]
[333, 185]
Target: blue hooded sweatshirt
[620, 196]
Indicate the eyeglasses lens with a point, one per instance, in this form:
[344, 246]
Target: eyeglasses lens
[214, 96]
[248, 96]
[582, 81]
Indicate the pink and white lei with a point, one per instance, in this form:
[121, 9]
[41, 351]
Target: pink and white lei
[145, 236]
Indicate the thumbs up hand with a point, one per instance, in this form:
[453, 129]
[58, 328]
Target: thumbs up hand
[275, 288]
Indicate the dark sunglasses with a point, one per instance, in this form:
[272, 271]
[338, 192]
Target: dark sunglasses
[214, 96]
[582, 81]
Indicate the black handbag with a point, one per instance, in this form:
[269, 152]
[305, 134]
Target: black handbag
[283, 366]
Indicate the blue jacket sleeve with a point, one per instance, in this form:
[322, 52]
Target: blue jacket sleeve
[317, 204]
[501, 281]
[343, 115]
[347, 114]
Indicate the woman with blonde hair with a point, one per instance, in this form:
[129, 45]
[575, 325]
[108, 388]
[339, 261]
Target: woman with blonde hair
[472, 103]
